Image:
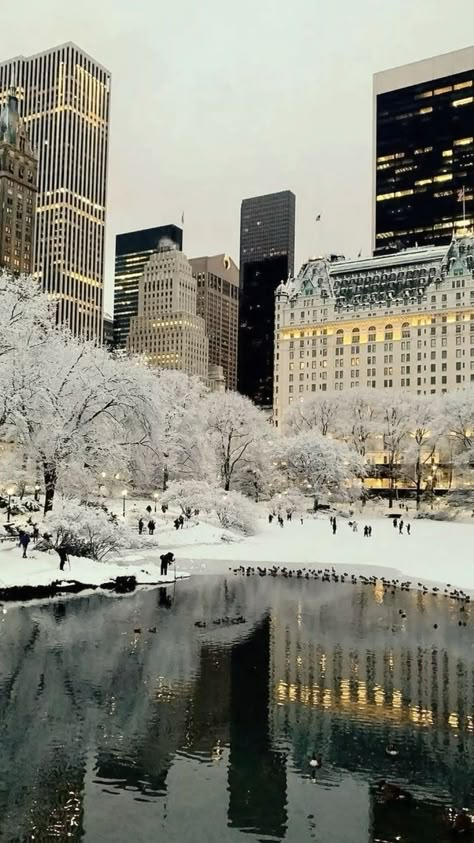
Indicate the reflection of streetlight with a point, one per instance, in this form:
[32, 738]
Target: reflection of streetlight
[103, 475]
[156, 498]
[37, 492]
[9, 511]
[124, 495]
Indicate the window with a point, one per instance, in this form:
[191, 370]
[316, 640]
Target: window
[389, 332]
[339, 337]
[372, 336]
[406, 329]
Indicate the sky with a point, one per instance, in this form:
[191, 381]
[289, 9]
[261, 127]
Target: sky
[217, 100]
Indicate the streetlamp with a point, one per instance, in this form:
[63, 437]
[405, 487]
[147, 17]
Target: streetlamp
[9, 511]
[156, 498]
[37, 492]
[124, 495]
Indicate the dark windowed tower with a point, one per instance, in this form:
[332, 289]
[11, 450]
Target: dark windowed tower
[267, 255]
[132, 251]
[424, 152]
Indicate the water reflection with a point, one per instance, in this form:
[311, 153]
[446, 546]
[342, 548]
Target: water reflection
[205, 734]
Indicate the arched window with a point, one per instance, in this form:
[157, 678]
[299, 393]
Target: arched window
[406, 330]
[372, 334]
[339, 337]
[389, 332]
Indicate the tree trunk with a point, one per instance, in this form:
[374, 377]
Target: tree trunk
[165, 478]
[227, 484]
[315, 504]
[50, 480]
[418, 484]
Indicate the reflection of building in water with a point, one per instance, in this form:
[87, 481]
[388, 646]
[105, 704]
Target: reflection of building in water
[257, 773]
[325, 685]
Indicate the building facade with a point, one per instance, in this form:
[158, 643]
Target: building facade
[423, 168]
[132, 252]
[18, 179]
[167, 330]
[267, 250]
[64, 100]
[401, 321]
[108, 331]
[218, 303]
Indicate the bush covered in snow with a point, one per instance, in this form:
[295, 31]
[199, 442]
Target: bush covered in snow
[234, 510]
[86, 530]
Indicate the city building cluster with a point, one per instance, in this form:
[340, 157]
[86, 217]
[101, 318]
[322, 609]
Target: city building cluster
[401, 318]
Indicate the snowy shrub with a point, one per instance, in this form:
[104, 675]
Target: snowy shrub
[85, 530]
[236, 512]
[190, 495]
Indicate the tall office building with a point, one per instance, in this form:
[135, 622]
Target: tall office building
[267, 255]
[18, 175]
[167, 330]
[132, 251]
[64, 99]
[423, 169]
[218, 303]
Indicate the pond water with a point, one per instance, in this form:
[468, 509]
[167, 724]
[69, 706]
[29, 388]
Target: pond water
[204, 733]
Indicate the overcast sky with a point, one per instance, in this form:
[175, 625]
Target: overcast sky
[216, 100]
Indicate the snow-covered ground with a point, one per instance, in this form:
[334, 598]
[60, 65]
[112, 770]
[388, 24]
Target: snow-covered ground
[435, 552]
[43, 569]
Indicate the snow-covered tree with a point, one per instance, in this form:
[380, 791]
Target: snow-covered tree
[190, 495]
[236, 512]
[85, 530]
[233, 509]
[318, 413]
[394, 414]
[356, 419]
[321, 465]
[236, 428]
[418, 453]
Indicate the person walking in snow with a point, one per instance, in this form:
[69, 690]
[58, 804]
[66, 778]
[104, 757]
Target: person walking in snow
[394, 522]
[24, 541]
[408, 529]
[176, 523]
[400, 527]
[141, 525]
[355, 527]
[366, 531]
[334, 527]
[36, 533]
[151, 527]
[370, 531]
[301, 519]
[270, 518]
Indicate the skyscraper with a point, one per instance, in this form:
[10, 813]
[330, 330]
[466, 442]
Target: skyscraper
[167, 330]
[18, 174]
[267, 255]
[423, 169]
[132, 251]
[64, 99]
[218, 303]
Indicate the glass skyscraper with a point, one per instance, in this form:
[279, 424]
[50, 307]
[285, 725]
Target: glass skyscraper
[132, 251]
[267, 256]
[64, 100]
[424, 152]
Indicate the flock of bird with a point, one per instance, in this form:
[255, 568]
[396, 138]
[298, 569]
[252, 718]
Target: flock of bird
[329, 575]
[221, 622]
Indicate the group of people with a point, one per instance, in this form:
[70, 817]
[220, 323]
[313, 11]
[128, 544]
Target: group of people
[401, 525]
[151, 526]
[280, 519]
[179, 522]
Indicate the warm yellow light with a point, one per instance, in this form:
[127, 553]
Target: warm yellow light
[155, 495]
[11, 490]
[124, 493]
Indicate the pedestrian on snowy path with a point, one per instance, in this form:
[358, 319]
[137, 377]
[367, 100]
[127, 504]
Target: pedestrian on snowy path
[400, 527]
[394, 522]
[36, 533]
[151, 527]
[24, 541]
[301, 519]
[166, 559]
[334, 527]
[270, 518]
[176, 523]
[181, 521]
[355, 527]
[408, 529]
[141, 525]
[366, 531]
[370, 531]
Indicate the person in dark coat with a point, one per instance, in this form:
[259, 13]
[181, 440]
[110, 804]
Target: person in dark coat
[36, 533]
[400, 526]
[63, 557]
[141, 525]
[334, 527]
[148, 509]
[166, 560]
[176, 524]
[24, 541]
[408, 528]
[151, 527]
[181, 521]
[270, 518]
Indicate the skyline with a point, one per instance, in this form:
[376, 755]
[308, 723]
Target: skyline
[205, 118]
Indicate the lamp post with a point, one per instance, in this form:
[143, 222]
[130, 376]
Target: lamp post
[37, 492]
[124, 495]
[9, 510]
[156, 498]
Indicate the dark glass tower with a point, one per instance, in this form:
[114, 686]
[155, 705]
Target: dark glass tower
[267, 257]
[424, 152]
[132, 252]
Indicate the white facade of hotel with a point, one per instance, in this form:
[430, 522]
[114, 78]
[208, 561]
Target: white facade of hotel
[401, 321]
[167, 331]
[64, 100]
